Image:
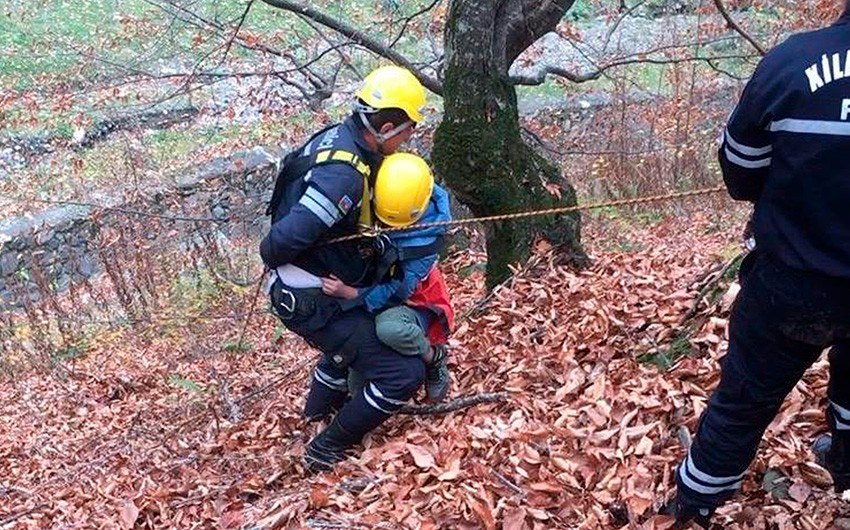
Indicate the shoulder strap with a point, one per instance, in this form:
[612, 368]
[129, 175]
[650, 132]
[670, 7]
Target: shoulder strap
[293, 166]
[296, 164]
[392, 254]
[341, 156]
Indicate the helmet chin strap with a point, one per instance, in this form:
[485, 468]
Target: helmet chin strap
[381, 138]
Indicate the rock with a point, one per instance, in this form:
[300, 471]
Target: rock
[87, 267]
[9, 263]
[219, 211]
[43, 236]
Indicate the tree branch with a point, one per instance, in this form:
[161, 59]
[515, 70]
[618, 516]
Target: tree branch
[411, 17]
[532, 23]
[455, 404]
[734, 25]
[359, 37]
[539, 77]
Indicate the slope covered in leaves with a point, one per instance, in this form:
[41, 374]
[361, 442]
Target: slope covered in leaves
[164, 430]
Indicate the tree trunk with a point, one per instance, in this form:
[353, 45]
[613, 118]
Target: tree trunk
[478, 149]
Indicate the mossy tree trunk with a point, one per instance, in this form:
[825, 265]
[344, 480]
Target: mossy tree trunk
[478, 149]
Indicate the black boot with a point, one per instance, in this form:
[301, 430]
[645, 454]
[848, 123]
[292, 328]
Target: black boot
[833, 457]
[328, 448]
[686, 513]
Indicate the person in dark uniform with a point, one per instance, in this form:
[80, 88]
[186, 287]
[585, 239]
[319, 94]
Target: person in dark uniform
[323, 193]
[786, 148]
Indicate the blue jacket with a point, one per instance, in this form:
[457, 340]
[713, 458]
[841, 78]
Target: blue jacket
[787, 149]
[321, 204]
[396, 291]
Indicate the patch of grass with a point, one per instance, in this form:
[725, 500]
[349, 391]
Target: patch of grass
[469, 270]
[185, 383]
[549, 90]
[665, 358]
[628, 246]
[648, 218]
[173, 144]
[38, 39]
[237, 347]
[193, 292]
[582, 10]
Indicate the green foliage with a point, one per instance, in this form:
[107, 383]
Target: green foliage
[45, 38]
[581, 10]
[237, 347]
[70, 352]
[665, 358]
[469, 270]
[193, 292]
[187, 384]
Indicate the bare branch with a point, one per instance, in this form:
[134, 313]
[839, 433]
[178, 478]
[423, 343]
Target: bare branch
[540, 76]
[616, 24]
[734, 25]
[411, 17]
[359, 37]
[236, 32]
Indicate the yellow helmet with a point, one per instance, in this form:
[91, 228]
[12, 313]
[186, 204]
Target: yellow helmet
[393, 87]
[402, 189]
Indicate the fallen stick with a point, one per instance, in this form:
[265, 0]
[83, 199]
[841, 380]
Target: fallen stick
[455, 404]
[14, 517]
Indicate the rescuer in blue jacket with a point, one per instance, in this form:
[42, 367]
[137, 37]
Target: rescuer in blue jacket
[322, 193]
[786, 148]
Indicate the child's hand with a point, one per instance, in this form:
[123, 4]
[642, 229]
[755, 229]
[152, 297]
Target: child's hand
[333, 286]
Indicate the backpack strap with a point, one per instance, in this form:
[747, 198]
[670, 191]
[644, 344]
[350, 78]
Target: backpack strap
[296, 164]
[391, 254]
[340, 156]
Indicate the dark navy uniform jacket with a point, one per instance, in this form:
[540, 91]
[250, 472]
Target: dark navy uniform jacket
[323, 204]
[787, 149]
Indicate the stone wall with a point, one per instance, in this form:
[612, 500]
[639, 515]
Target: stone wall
[61, 242]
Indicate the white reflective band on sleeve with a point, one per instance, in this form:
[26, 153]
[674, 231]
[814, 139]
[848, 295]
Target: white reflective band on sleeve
[706, 490]
[378, 394]
[834, 128]
[326, 203]
[743, 162]
[745, 149]
[705, 477]
[308, 149]
[316, 208]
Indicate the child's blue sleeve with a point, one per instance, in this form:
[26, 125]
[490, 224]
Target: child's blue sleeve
[396, 292]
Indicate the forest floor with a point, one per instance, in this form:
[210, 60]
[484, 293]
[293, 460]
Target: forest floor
[175, 424]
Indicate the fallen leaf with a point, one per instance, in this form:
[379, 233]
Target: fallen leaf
[129, 514]
[800, 491]
[421, 456]
[514, 519]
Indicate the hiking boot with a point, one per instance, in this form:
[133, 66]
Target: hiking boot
[437, 378]
[328, 447]
[686, 513]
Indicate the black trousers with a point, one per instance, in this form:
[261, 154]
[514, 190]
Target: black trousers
[347, 339]
[781, 322]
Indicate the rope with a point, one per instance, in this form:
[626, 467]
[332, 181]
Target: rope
[373, 232]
